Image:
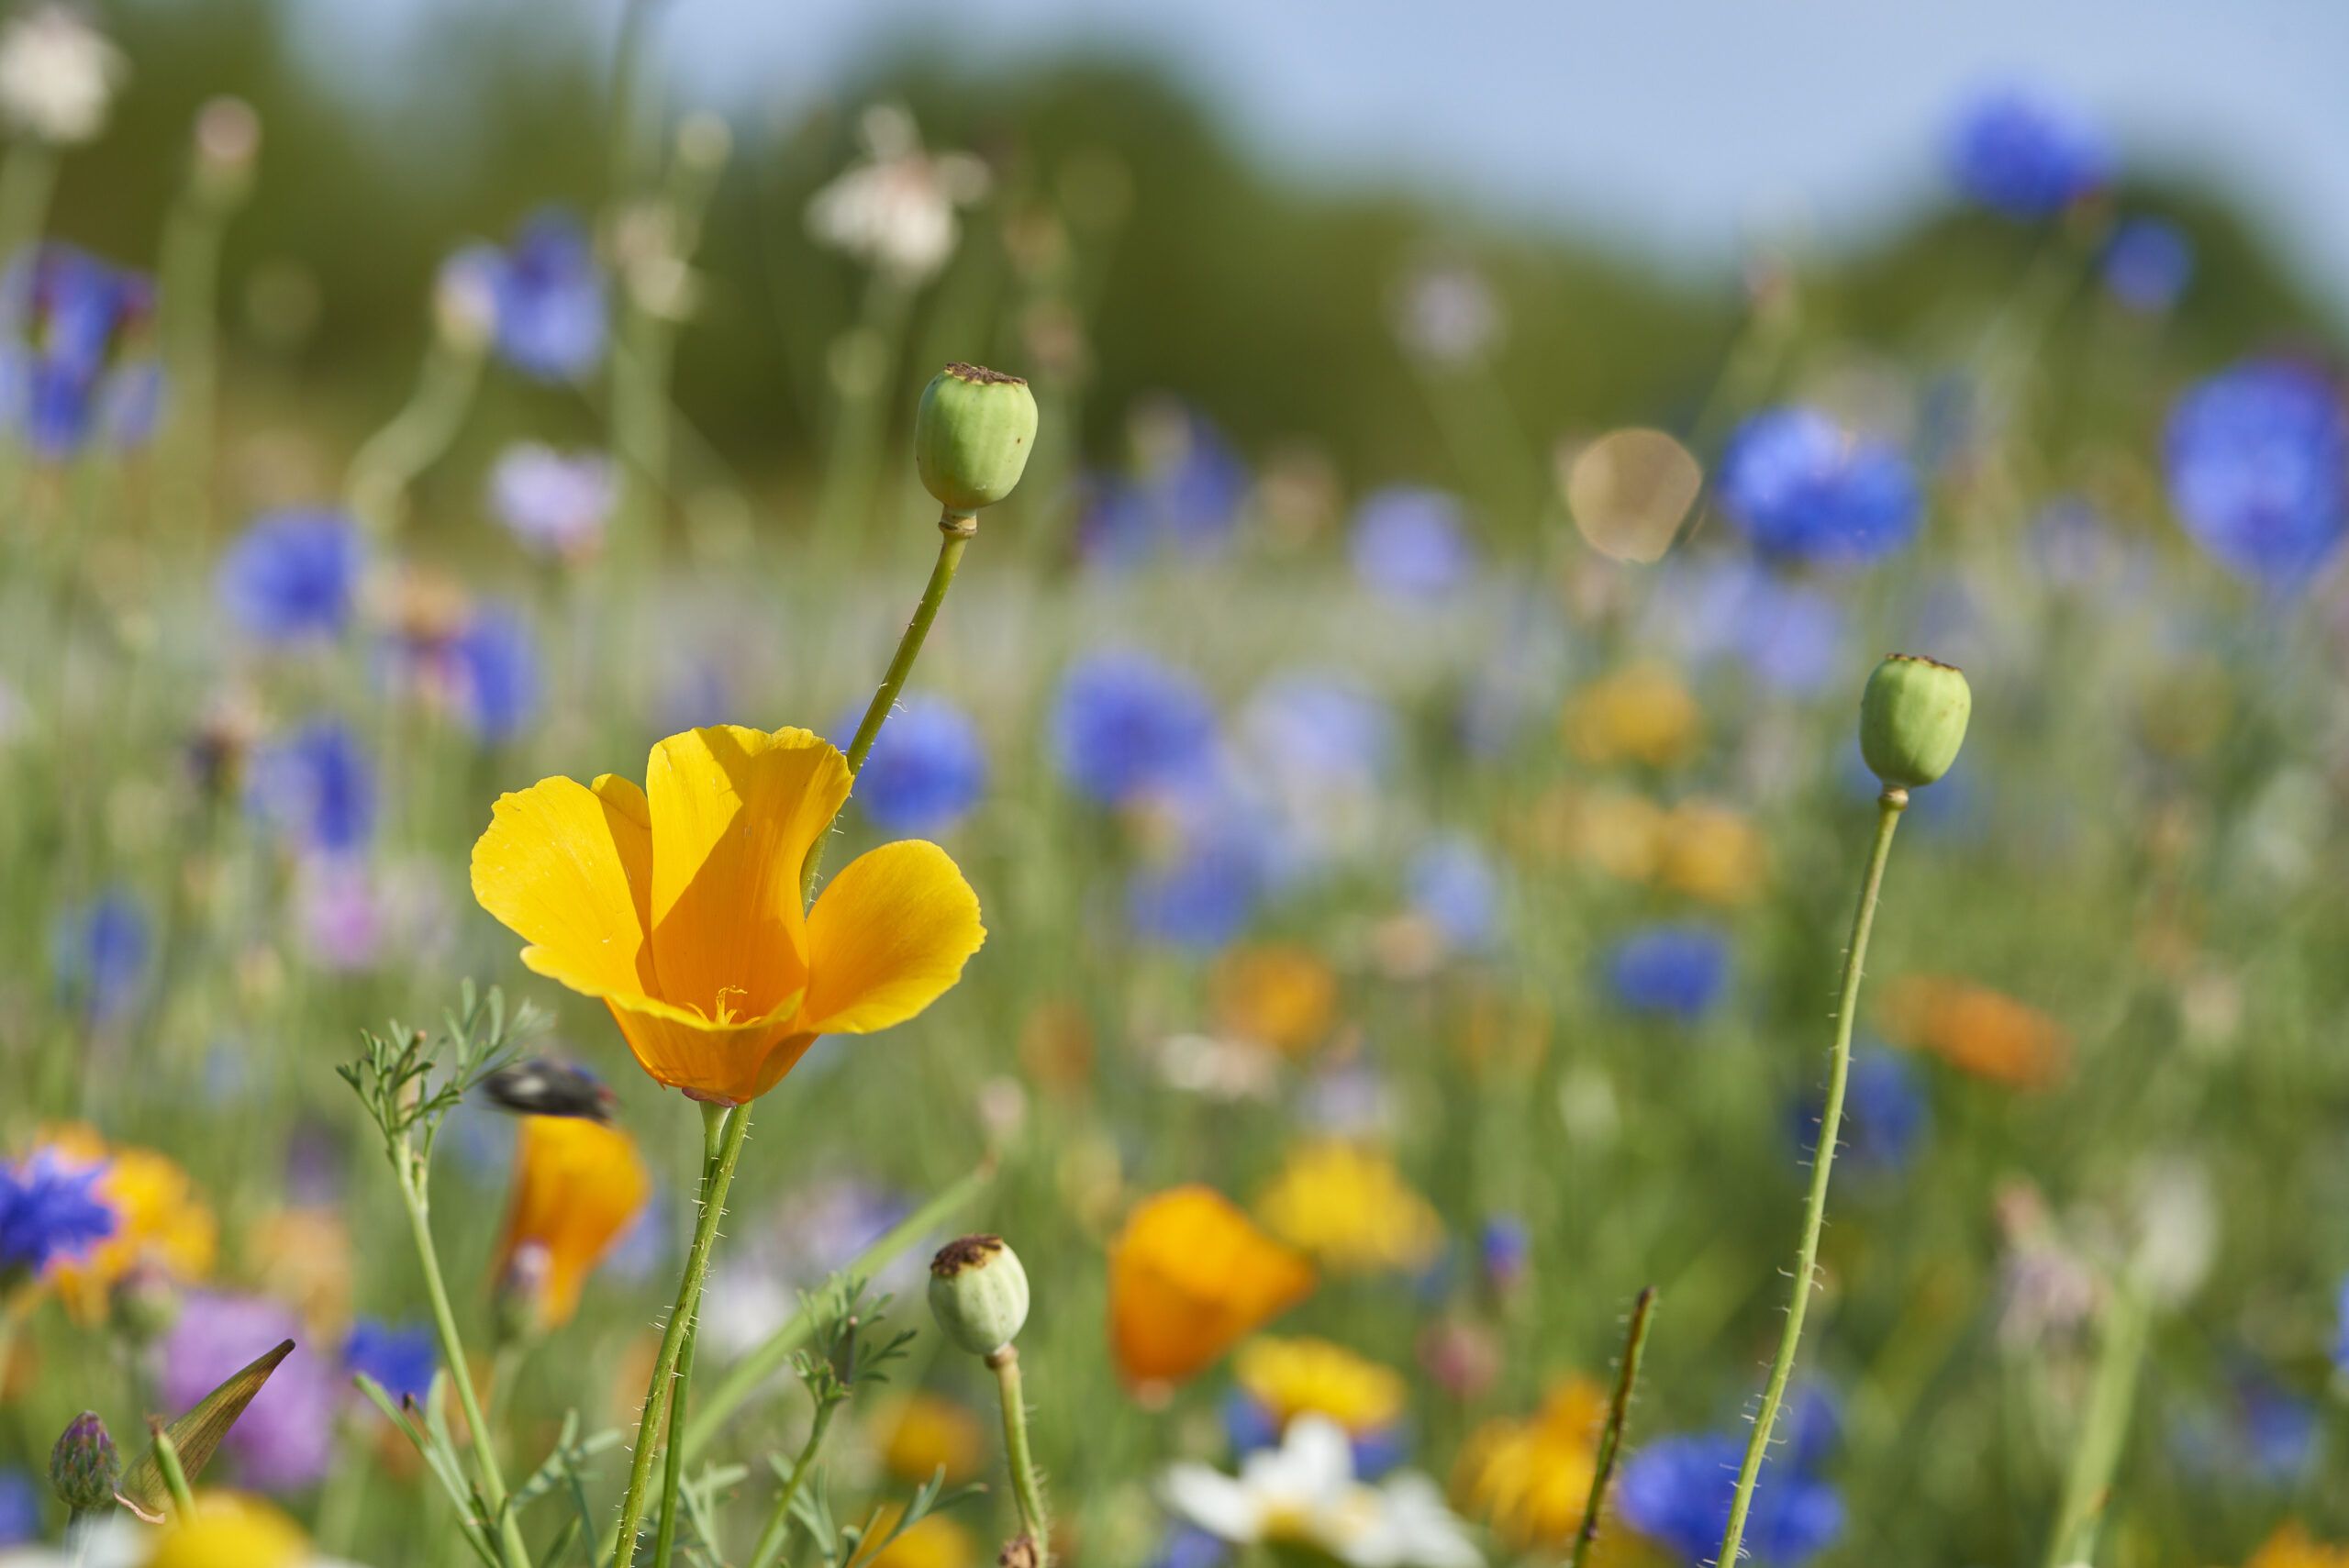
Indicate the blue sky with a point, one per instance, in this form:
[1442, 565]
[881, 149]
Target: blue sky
[1676, 126]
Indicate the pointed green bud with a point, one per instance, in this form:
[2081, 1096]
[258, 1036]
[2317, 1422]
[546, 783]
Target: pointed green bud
[972, 434]
[1912, 719]
[978, 1292]
[83, 1466]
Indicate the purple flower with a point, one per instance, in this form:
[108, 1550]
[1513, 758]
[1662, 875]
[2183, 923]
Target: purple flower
[65, 370]
[2026, 153]
[293, 576]
[928, 767]
[99, 953]
[549, 298]
[1126, 725]
[2147, 264]
[284, 1441]
[2258, 465]
[1411, 543]
[1803, 488]
[48, 1210]
[1506, 1250]
[316, 788]
[1223, 860]
[493, 664]
[400, 1357]
[556, 504]
[1677, 971]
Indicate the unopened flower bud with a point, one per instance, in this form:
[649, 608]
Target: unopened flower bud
[972, 436]
[1912, 719]
[978, 1292]
[83, 1466]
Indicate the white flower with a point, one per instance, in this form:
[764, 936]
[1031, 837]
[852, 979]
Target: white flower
[58, 73]
[1305, 1491]
[895, 209]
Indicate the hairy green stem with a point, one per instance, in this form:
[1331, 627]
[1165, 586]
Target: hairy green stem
[453, 1354]
[713, 1125]
[1027, 1485]
[745, 1377]
[777, 1530]
[1610, 1439]
[672, 1338]
[956, 536]
[1889, 805]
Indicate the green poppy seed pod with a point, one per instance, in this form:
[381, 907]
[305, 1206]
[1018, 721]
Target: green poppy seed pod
[83, 1466]
[978, 1293]
[972, 434]
[1912, 719]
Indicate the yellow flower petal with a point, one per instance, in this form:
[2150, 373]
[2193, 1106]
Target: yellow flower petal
[551, 868]
[725, 1062]
[889, 936]
[733, 812]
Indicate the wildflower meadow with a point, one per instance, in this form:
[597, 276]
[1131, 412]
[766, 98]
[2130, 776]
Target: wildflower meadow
[947, 830]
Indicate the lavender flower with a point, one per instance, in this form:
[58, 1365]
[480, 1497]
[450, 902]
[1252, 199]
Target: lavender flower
[1411, 543]
[555, 503]
[293, 576]
[284, 1441]
[2258, 464]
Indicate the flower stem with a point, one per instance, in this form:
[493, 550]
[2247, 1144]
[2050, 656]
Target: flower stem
[719, 1177]
[167, 1459]
[777, 1530]
[673, 1461]
[1610, 1439]
[1027, 1486]
[415, 439]
[1889, 805]
[511, 1546]
[956, 533]
[2102, 1430]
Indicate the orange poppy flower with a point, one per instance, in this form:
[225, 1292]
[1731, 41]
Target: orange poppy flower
[1977, 1030]
[1189, 1277]
[577, 1184]
[677, 905]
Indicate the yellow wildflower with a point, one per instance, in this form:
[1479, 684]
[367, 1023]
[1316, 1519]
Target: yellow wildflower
[1638, 713]
[1530, 1479]
[1278, 995]
[2291, 1546]
[1711, 852]
[938, 1541]
[927, 1433]
[577, 1185]
[1189, 1277]
[161, 1222]
[228, 1531]
[1350, 1207]
[677, 904]
[1307, 1377]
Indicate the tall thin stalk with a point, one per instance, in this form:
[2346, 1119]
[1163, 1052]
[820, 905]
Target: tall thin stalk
[1889, 805]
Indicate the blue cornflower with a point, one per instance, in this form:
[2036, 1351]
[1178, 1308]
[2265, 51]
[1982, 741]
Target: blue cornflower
[549, 298]
[1412, 542]
[316, 786]
[1886, 1114]
[1505, 1249]
[555, 503]
[2147, 264]
[293, 575]
[1453, 886]
[68, 369]
[1203, 896]
[493, 663]
[1316, 732]
[1675, 970]
[100, 953]
[400, 1357]
[19, 1509]
[1126, 725]
[1184, 495]
[2258, 464]
[1677, 1493]
[48, 1210]
[1803, 488]
[927, 768]
[2026, 153]
[1188, 1546]
[1788, 637]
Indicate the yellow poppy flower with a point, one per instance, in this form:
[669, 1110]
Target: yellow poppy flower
[677, 905]
[937, 1542]
[1351, 1209]
[927, 1433]
[1530, 1479]
[1189, 1276]
[577, 1184]
[230, 1531]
